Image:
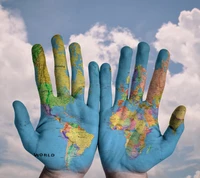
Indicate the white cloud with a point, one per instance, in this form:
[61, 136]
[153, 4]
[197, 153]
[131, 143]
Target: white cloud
[182, 88]
[15, 71]
[101, 44]
[197, 175]
[183, 42]
[182, 167]
[9, 170]
[96, 169]
[158, 171]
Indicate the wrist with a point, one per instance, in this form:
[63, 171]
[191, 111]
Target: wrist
[125, 175]
[46, 173]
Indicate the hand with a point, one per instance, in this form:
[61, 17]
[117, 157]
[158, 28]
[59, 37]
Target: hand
[130, 140]
[66, 136]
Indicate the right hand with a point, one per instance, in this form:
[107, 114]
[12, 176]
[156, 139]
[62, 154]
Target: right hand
[66, 136]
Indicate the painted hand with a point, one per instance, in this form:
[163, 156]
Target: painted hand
[129, 138]
[66, 136]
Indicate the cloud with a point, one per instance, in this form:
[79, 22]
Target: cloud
[158, 171]
[182, 167]
[102, 44]
[183, 42]
[15, 72]
[183, 88]
[197, 175]
[96, 169]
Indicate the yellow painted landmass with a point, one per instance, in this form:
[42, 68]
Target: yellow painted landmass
[79, 82]
[80, 137]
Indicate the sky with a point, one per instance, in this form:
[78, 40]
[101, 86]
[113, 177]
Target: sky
[102, 28]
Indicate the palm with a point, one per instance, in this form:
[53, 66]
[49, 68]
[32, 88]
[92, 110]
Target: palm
[127, 141]
[130, 139]
[66, 135]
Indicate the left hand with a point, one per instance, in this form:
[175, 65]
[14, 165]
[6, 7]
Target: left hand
[130, 140]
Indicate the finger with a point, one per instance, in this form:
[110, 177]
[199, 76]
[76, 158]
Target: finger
[140, 72]
[174, 131]
[105, 87]
[94, 89]
[25, 129]
[123, 78]
[78, 81]
[61, 70]
[158, 80]
[41, 74]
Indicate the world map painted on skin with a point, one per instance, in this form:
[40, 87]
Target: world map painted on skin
[75, 145]
[129, 138]
[76, 137]
[137, 123]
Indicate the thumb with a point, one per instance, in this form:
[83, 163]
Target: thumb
[174, 131]
[25, 129]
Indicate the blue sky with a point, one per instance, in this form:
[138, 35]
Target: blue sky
[43, 19]
[46, 17]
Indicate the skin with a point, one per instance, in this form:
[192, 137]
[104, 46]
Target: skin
[130, 141]
[68, 128]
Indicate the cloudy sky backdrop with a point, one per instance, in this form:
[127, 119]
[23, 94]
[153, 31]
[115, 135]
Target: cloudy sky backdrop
[102, 28]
